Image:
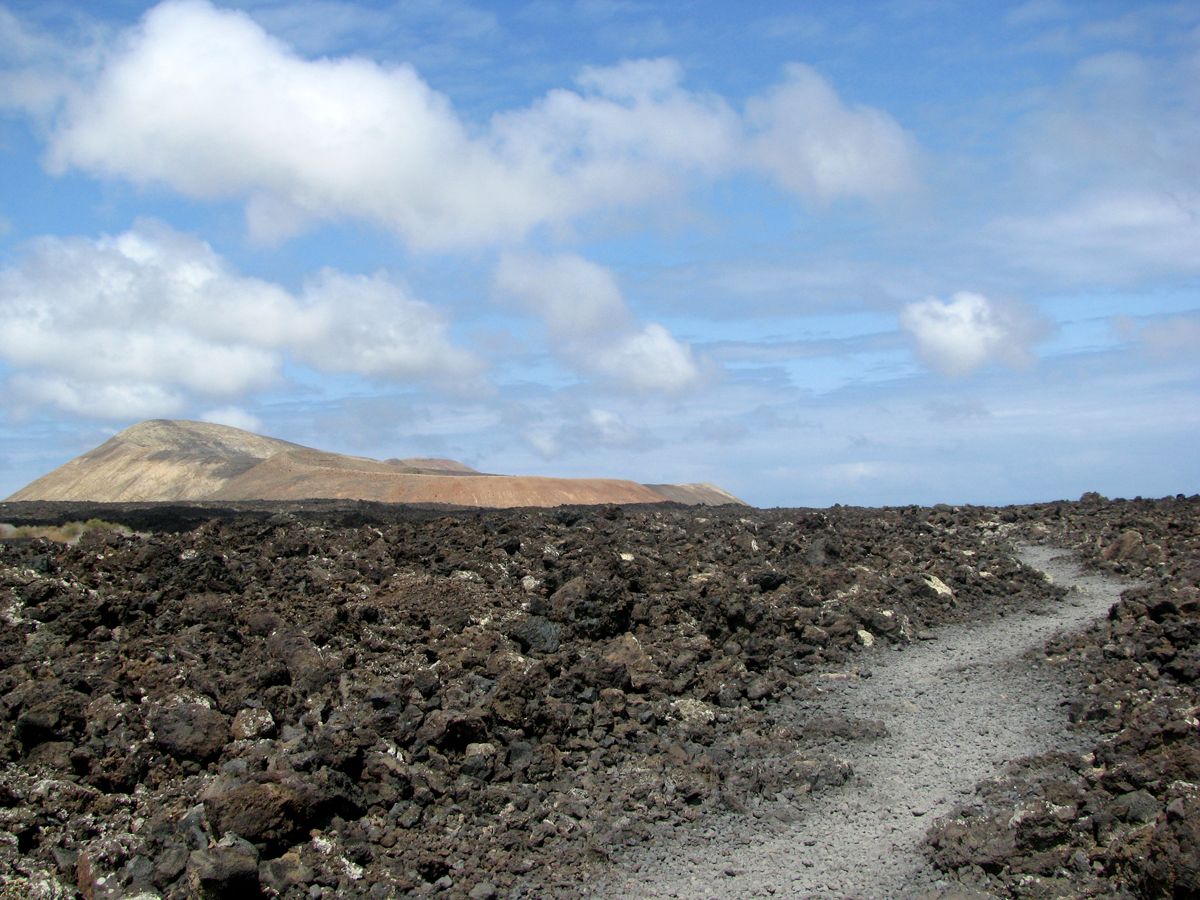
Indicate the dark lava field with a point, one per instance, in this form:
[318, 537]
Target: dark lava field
[345, 699]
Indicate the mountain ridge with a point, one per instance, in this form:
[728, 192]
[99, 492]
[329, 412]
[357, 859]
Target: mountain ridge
[163, 460]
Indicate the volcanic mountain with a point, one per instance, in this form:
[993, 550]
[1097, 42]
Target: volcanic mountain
[163, 460]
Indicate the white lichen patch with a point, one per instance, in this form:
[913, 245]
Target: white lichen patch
[689, 709]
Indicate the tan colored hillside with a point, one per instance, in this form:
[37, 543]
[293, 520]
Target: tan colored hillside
[162, 460]
[695, 494]
[157, 460]
[425, 465]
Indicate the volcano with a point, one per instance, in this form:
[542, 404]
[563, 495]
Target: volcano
[173, 460]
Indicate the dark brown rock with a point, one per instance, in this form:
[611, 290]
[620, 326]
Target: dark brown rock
[190, 731]
[401, 725]
[269, 814]
[229, 869]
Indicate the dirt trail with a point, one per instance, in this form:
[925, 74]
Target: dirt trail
[956, 708]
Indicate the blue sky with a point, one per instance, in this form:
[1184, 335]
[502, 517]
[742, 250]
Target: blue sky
[909, 251]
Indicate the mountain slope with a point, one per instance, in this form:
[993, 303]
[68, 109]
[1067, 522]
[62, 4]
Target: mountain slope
[157, 460]
[695, 494]
[161, 460]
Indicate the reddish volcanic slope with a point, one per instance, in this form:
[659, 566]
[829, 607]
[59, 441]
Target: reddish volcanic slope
[161, 460]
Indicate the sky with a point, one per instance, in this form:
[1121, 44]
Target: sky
[880, 253]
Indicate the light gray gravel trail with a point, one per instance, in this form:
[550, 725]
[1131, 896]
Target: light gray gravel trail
[956, 708]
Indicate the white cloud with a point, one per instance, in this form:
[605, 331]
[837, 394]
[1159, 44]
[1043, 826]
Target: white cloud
[591, 327]
[234, 416]
[648, 360]
[575, 297]
[96, 400]
[134, 324]
[610, 429]
[204, 101]
[370, 326]
[817, 146]
[967, 332]
[1110, 160]
[632, 123]
[544, 439]
[100, 313]
[1111, 236]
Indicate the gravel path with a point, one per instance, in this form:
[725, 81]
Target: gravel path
[956, 708]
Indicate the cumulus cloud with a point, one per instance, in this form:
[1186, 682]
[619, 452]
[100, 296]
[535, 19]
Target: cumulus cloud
[624, 135]
[967, 332]
[369, 325]
[610, 429]
[544, 439]
[575, 297]
[591, 327]
[95, 400]
[649, 360]
[138, 323]
[204, 101]
[817, 146]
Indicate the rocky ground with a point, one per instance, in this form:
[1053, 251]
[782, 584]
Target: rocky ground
[1123, 817]
[918, 729]
[350, 699]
